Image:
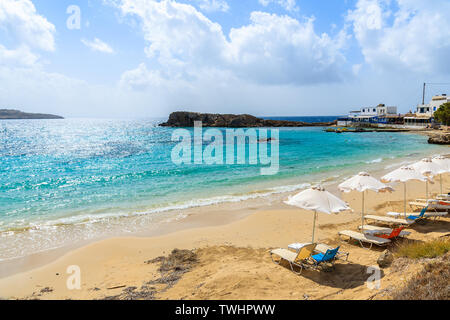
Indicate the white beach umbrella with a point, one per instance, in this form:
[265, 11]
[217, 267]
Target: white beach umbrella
[428, 168]
[361, 183]
[403, 174]
[444, 162]
[318, 200]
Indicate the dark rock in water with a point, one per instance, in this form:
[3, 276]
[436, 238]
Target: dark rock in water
[440, 139]
[385, 259]
[187, 119]
[9, 114]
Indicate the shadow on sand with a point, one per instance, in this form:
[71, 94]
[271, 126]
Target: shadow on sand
[345, 275]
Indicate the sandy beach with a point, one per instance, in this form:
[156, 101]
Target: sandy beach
[232, 246]
[203, 150]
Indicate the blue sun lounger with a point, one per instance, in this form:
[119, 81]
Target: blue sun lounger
[328, 256]
[421, 216]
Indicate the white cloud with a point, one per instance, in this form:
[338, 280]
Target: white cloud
[22, 56]
[281, 50]
[20, 19]
[98, 45]
[272, 49]
[288, 5]
[213, 5]
[28, 30]
[413, 35]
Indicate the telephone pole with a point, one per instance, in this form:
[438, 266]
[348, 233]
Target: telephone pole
[423, 95]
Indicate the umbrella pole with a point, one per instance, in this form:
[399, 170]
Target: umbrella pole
[314, 225]
[362, 213]
[426, 183]
[404, 202]
[440, 178]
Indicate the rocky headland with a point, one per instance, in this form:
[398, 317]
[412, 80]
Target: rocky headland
[187, 119]
[10, 114]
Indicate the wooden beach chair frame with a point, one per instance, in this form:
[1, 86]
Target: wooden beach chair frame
[294, 259]
[362, 238]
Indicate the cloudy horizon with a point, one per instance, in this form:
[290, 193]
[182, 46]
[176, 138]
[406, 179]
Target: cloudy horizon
[147, 58]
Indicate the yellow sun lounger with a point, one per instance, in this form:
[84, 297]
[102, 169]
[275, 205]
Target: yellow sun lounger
[293, 258]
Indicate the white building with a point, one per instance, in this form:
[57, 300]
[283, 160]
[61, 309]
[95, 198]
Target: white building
[425, 112]
[382, 110]
[368, 112]
[378, 114]
[379, 111]
[430, 108]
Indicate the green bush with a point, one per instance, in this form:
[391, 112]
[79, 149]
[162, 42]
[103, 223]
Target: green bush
[443, 114]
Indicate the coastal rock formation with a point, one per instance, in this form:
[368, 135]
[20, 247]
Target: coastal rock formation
[187, 119]
[443, 138]
[385, 259]
[10, 114]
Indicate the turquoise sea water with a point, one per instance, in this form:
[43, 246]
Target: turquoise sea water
[59, 173]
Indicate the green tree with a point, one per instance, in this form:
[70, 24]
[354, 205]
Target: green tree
[443, 114]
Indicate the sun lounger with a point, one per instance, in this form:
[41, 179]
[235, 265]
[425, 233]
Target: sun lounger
[294, 259]
[445, 197]
[320, 248]
[323, 248]
[420, 216]
[393, 235]
[364, 238]
[435, 215]
[372, 230]
[389, 220]
[431, 204]
[411, 216]
[328, 256]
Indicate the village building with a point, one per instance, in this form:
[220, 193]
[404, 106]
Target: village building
[378, 114]
[385, 116]
[424, 115]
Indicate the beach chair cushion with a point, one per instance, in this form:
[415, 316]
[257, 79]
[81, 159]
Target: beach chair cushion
[365, 238]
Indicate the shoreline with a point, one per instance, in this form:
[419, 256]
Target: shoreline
[196, 220]
[172, 220]
[220, 213]
[228, 253]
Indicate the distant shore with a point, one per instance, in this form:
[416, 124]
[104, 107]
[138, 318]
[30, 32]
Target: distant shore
[11, 114]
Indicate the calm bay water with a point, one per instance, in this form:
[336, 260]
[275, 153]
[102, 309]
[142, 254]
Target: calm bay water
[56, 174]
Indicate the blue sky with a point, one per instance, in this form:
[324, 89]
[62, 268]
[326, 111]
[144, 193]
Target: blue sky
[147, 58]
